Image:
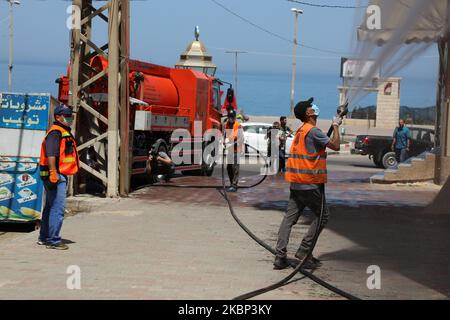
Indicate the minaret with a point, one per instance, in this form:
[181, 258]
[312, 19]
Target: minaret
[196, 57]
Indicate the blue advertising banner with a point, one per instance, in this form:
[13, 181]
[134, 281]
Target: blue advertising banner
[24, 111]
[21, 189]
[24, 119]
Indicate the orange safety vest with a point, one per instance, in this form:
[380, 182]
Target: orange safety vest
[68, 154]
[234, 135]
[302, 166]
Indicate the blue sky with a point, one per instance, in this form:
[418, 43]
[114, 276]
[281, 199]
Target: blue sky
[161, 29]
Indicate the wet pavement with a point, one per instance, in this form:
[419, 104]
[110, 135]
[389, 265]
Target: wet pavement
[172, 242]
[382, 225]
[343, 189]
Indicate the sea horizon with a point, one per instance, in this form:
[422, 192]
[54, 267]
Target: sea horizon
[259, 93]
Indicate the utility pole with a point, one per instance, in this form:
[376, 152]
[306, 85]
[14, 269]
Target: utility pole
[82, 76]
[10, 65]
[113, 100]
[126, 136]
[236, 52]
[294, 56]
[442, 125]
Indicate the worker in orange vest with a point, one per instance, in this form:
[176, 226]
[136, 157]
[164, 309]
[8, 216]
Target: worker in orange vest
[306, 171]
[234, 137]
[59, 159]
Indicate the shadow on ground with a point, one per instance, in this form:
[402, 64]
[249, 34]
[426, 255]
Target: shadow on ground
[17, 227]
[405, 240]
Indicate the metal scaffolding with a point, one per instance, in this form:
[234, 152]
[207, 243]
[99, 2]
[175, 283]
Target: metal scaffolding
[82, 76]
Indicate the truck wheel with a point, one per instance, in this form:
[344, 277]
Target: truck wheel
[389, 161]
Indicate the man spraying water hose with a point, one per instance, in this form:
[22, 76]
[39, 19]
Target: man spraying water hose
[306, 171]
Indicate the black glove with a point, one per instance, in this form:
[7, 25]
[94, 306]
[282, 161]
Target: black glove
[342, 110]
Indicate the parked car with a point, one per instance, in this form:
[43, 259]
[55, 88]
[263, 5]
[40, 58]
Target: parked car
[379, 147]
[255, 135]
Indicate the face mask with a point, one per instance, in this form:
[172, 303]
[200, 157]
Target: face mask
[68, 121]
[316, 110]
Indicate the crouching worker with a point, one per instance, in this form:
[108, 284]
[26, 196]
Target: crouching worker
[59, 159]
[306, 171]
[159, 165]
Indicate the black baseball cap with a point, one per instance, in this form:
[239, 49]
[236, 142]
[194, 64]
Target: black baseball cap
[300, 108]
[231, 114]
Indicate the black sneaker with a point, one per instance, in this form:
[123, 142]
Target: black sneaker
[59, 246]
[310, 265]
[280, 263]
[300, 254]
[232, 189]
[312, 262]
[316, 261]
[41, 243]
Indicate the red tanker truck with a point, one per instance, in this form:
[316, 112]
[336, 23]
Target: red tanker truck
[163, 100]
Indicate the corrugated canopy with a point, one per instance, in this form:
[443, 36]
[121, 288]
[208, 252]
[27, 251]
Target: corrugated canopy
[407, 21]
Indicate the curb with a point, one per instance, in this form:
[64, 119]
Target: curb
[345, 149]
[86, 203]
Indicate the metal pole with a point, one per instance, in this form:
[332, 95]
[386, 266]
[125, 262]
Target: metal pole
[113, 100]
[75, 57]
[235, 73]
[74, 61]
[236, 52]
[445, 112]
[294, 57]
[442, 101]
[445, 130]
[10, 66]
[125, 137]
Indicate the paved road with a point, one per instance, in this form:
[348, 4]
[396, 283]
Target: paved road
[177, 243]
[336, 163]
[351, 163]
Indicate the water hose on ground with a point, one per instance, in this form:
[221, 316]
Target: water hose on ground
[297, 267]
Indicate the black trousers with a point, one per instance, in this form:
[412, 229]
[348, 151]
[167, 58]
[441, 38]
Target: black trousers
[233, 174]
[233, 169]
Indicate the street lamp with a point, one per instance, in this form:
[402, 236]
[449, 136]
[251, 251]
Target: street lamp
[236, 52]
[294, 56]
[10, 66]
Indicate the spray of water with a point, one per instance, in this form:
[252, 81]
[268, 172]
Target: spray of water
[407, 29]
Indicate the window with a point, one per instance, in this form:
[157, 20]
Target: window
[257, 129]
[427, 136]
[415, 134]
[216, 95]
[250, 129]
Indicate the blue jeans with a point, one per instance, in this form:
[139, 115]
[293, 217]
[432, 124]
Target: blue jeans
[401, 155]
[53, 214]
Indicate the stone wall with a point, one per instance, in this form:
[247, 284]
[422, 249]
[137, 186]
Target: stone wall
[419, 169]
[439, 205]
[445, 169]
[359, 123]
[388, 103]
